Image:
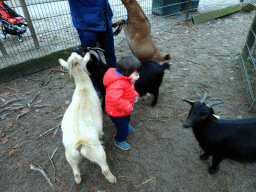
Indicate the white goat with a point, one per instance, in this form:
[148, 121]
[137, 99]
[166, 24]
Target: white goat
[82, 122]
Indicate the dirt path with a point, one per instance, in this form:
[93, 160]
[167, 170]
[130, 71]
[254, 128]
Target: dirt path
[163, 155]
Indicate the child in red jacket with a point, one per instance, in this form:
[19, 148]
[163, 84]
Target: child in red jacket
[121, 95]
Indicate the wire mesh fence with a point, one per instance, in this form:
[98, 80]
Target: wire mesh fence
[248, 63]
[51, 29]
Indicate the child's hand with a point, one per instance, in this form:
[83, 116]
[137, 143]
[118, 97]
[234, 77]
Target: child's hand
[136, 99]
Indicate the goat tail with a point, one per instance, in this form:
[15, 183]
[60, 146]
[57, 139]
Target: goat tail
[165, 57]
[81, 145]
[166, 65]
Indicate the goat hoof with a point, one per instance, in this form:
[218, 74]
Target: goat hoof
[109, 176]
[112, 179]
[213, 170]
[153, 104]
[78, 179]
[114, 25]
[204, 157]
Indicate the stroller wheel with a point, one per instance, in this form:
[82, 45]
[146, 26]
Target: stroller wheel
[20, 38]
[2, 35]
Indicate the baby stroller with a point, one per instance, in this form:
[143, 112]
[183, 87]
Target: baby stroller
[11, 22]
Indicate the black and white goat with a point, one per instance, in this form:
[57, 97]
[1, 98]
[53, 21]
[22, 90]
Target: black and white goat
[232, 139]
[96, 67]
[151, 75]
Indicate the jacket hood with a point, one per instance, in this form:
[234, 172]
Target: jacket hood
[113, 75]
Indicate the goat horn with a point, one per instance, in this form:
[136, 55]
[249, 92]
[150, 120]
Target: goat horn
[188, 101]
[214, 103]
[96, 48]
[96, 55]
[204, 97]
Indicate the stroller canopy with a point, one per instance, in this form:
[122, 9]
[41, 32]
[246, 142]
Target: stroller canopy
[8, 14]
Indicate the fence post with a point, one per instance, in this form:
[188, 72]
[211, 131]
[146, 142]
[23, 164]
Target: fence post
[2, 49]
[30, 25]
[187, 10]
[250, 40]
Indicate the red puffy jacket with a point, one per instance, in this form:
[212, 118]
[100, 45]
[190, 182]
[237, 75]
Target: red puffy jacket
[120, 93]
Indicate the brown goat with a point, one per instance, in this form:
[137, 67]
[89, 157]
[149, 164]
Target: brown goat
[138, 33]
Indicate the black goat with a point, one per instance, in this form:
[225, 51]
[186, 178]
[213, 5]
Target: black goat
[97, 68]
[151, 75]
[232, 139]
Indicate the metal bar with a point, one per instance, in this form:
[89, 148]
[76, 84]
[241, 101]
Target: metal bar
[250, 54]
[253, 32]
[30, 25]
[247, 77]
[46, 2]
[250, 40]
[42, 18]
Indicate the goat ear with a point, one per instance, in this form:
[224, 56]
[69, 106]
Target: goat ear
[215, 117]
[63, 63]
[87, 57]
[189, 102]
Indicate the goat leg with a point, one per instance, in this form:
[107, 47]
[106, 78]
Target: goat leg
[97, 154]
[155, 98]
[103, 105]
[215, 164]
[119, 25]
[205, 156]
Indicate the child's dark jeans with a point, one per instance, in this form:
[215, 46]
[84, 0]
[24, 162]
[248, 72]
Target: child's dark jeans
[122, 125]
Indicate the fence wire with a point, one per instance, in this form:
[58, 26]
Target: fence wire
[51, 28]
[248, 64]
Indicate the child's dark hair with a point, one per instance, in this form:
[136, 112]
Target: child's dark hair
[127, 65]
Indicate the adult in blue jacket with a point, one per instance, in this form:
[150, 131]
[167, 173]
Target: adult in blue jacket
[92, 19]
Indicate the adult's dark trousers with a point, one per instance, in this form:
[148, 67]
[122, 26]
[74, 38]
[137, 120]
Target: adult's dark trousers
[105, 39]
[122, 125]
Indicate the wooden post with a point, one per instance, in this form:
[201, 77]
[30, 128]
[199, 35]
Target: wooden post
[250, 40]
[29, 22]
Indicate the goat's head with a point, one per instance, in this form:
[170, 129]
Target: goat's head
[199, 111]
[83, 51]
[80, 51]
[95, 62]
[75, 60]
